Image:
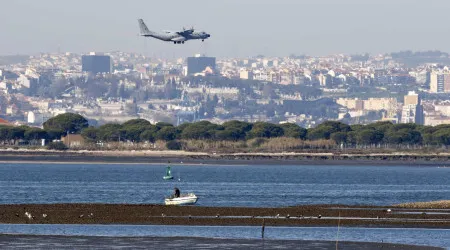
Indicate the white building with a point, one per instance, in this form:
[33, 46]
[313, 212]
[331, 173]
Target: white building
[245, 74]
[37, 118]
[412, 114]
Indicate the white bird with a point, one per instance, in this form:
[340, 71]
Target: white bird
[28, 215]
[44, 215]
[389, 210]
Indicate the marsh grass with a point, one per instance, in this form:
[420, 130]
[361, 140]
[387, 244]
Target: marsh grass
[443, 204]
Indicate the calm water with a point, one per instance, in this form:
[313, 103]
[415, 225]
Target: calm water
[426, 237]
[223, 185]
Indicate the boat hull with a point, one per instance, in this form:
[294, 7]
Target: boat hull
[188, 199]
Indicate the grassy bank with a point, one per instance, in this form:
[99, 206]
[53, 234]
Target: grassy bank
[443, 204]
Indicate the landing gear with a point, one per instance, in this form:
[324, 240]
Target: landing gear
[203, 40]
[174, 42]
[182, 42]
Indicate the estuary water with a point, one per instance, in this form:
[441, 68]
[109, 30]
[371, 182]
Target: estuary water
[117, 237]
[221, 185]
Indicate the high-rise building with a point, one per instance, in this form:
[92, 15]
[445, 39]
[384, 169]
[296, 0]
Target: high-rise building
[412, 98]
[413, 114]
[96, 64]
[412, 111]
[198, 64]
[440, 82]
[351, 103]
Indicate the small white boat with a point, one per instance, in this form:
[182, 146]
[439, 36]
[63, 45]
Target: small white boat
[184, 199]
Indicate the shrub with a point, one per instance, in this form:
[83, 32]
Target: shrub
[173, 145]
[256, 142]
[57, 146]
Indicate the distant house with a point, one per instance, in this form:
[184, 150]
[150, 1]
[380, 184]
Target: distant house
[73, 140]
[5, 123]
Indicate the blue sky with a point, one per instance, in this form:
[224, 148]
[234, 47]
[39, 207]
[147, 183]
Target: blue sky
[239, 28]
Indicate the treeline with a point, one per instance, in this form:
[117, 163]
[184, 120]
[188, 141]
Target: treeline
[53, 129]
[140, 130]
[28, 135]
[386, 133]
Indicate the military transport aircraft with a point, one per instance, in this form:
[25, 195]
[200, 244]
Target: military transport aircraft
[171, 36]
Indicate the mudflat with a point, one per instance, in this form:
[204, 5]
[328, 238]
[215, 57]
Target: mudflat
[153, 214]
[162, 157]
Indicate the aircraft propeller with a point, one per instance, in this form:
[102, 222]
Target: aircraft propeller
[191, 30]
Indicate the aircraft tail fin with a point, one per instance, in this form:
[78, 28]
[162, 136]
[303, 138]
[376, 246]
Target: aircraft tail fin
[144, 30]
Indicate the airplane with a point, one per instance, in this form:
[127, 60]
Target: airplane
[175, 37]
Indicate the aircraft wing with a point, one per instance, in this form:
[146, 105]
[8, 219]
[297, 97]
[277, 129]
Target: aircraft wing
[179, 39]
[185, 32]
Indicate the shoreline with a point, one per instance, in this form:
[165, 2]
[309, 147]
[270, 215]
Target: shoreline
[193, 158]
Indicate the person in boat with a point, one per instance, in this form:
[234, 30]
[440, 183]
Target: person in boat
[176, 193]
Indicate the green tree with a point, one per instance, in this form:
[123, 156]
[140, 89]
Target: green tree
[394, 137]
[133, 133]
[35, 134]
[16, 133]
[134, 128]
[369, 136]
[200, 130]
[166, 133]
[441, 137]
[403, 134]
[356, 127]
[90, 134]
[110, 132]
[244, 126]
[325, 129]
[293, 130]
[339, 137]
[54, 134]
[318, 133]
[148, 135]
[230, 134]
[352, 137]
[414, 137]
[161, 125]
[381, 126]
[136, 122]
[195, 131]
[265, 129]
[68, 122]
[4, 131]
[233, 130]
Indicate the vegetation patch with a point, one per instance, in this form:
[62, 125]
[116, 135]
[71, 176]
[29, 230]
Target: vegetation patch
[443, 204]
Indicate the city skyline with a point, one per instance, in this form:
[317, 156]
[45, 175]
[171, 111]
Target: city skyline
[238, 29]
